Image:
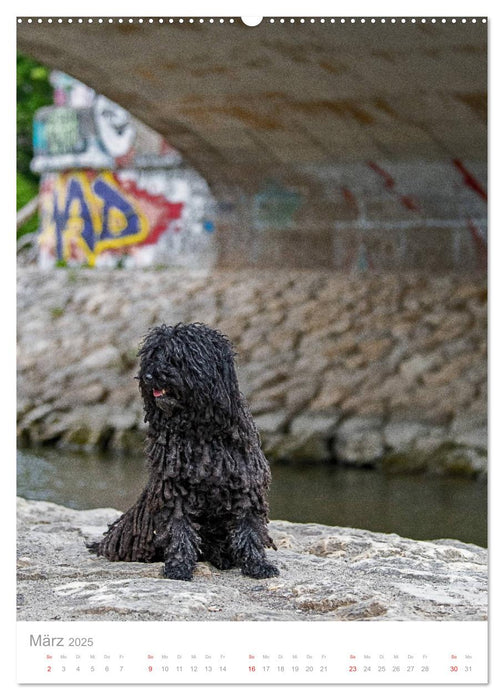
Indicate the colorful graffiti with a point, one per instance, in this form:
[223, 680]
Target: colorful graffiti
[57, 130]
[114, 126]
[113, 191]
[87, 130]
[85, 214]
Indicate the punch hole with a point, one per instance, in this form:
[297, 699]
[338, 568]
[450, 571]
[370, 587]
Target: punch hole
[251, 21]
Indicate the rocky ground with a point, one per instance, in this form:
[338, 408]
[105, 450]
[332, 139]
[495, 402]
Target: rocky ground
[326, 573]
[386, 369]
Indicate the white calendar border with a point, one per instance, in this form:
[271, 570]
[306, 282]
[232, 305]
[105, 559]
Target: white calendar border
[271, 8]
[259, 8]
[262, 653]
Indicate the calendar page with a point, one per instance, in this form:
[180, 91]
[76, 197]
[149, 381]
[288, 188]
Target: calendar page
[261, 652]
[252, 394]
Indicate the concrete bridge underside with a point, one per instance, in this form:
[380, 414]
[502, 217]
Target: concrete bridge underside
[366, 141]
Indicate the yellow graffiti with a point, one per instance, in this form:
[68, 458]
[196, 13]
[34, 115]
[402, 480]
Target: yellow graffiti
[116, 221]
[78, 223]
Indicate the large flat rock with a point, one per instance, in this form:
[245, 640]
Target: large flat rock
[326, 573]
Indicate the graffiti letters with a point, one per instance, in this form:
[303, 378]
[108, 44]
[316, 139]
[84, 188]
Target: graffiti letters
[84, 214]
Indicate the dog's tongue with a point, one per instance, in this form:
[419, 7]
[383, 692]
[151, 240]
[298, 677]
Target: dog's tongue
[157, 392]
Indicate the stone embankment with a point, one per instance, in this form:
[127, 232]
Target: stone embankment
[387, 369]
[326, 573]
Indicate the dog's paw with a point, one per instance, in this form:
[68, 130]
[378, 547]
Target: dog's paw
[260, 569]
[177, 572]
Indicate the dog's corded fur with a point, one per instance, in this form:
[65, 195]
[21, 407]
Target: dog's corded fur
[208, 477]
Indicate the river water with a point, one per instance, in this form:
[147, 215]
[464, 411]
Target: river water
[420, 506]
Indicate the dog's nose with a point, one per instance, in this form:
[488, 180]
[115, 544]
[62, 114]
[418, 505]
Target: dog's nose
[148, 377]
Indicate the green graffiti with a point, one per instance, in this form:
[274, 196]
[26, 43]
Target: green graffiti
[61, 131]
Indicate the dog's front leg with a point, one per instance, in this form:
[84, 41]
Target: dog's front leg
[181, 552]
[248, 547]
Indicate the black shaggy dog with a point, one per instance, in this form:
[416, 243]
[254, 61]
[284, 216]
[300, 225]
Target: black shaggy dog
[208, 478]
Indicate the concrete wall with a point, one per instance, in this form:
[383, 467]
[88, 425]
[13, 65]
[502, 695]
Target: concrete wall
[325, 144]
[373, 215]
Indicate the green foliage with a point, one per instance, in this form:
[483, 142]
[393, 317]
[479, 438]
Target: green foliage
[33, 91]
[26, 189]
